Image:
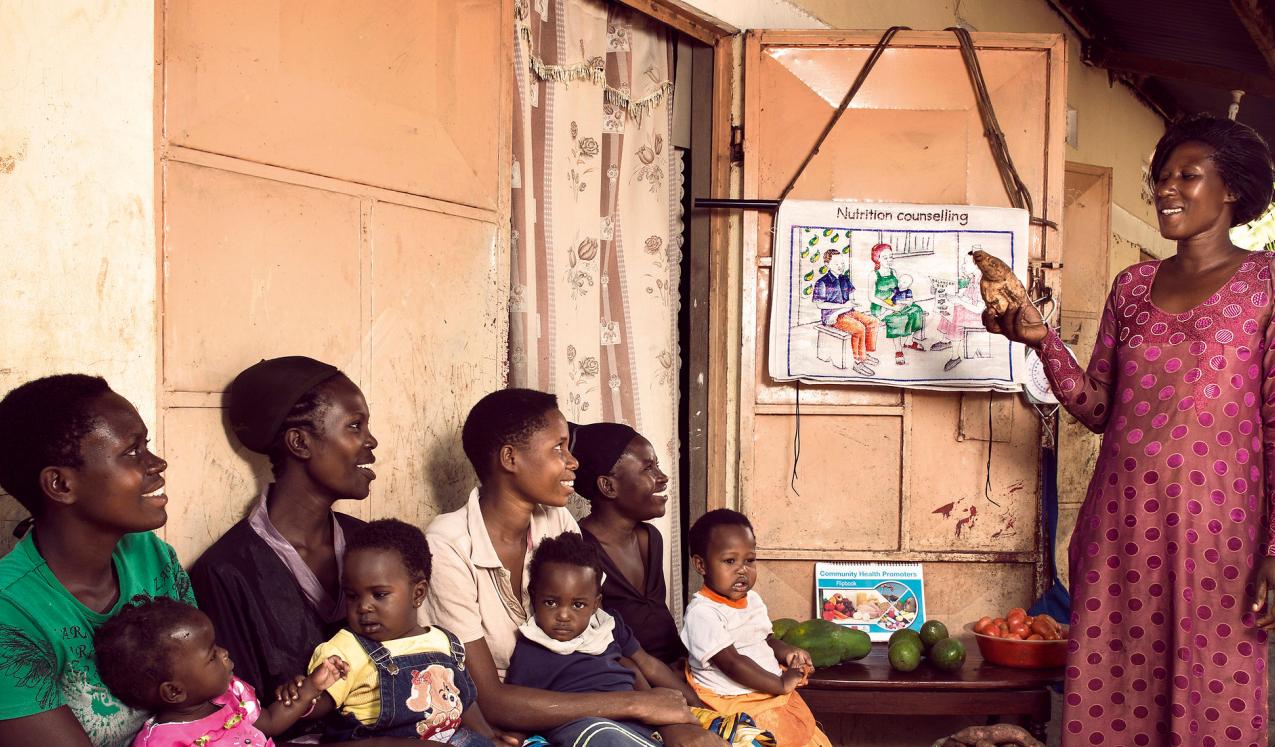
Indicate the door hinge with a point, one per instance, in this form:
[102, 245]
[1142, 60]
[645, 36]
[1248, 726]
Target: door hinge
[736, 144]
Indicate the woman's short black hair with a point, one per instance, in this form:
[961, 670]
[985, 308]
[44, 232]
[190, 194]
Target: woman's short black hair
[507, 416]
[701, 533]
[568, 548]
[1241, 156]
[395, 536]
[134, 649]
[42, 423]
[307, 412]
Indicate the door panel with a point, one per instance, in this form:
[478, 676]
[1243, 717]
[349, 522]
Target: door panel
[335, 184]
[435, 315]
[215, 279]
[1086, 280]
[324, 86]
[886, 474]
[859, 495]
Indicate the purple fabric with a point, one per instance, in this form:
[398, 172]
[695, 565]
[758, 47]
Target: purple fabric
[832, 288]
[331, 609]
[1162, 639]
[533, 665]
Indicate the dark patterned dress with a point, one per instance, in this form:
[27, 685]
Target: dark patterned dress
[1163, 648]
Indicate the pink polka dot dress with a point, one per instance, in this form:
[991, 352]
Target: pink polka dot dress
[1163, 648]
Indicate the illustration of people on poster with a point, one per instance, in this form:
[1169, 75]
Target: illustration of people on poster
[887, 294]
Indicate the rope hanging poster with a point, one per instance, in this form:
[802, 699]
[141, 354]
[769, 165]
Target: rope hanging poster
[887, 294]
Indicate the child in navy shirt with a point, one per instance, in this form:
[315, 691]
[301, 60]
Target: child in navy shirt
[572, 645]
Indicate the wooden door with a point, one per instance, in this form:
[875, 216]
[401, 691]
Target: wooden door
[1086, 280]
[334, 183]
[886, 474]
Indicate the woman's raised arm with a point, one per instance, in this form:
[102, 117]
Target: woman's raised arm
[1086, 393]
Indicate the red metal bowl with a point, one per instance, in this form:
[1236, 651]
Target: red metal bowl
[1011, 652]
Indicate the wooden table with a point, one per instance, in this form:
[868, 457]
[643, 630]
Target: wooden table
[870, 687]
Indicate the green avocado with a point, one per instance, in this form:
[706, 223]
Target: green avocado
[932, 632]
[948, 654]
[905, 655]
[907, 633]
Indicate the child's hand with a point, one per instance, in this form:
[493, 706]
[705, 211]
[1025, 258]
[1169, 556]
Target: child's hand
[511, 738]
[690, 735]
[792, 679]
[798, 658]
[328, 672]
[290, 692]
[791, 656]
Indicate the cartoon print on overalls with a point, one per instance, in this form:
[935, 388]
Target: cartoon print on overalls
[422, 695]
[435, 696]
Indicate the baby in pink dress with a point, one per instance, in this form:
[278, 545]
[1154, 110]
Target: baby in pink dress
[161, 655]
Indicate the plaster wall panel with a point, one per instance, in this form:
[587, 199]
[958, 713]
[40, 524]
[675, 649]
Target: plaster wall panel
[436, 332]
[848, 491]
[255, 268]
[322, 87]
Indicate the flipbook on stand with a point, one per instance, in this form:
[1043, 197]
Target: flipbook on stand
[877, 598]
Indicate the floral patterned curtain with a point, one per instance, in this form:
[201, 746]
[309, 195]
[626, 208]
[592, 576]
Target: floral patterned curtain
[596, 248]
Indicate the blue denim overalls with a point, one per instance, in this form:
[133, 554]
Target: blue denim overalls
[414, 688]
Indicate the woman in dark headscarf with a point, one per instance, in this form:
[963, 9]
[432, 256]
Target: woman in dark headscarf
[271, 584]
[620, 475]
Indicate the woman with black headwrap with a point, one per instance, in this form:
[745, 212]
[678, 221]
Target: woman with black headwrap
[620, 475]
[271, 584]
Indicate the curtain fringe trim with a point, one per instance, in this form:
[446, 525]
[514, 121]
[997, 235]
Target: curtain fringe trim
[584, 71]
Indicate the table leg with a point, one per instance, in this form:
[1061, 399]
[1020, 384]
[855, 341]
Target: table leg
[1037, 729]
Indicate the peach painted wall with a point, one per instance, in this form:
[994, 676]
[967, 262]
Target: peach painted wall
[77, 213]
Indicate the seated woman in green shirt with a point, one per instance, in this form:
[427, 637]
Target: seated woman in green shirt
[74, 454]
[904, 320]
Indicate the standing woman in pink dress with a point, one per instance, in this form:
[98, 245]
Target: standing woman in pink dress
[1171, 561]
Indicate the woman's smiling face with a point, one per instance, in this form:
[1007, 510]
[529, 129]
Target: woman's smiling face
[637, 482]
[544, 470]
[118, 484]
[1190, 196]
[341, 449]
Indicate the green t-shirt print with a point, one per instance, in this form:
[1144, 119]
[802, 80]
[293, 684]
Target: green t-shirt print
[46, 635]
